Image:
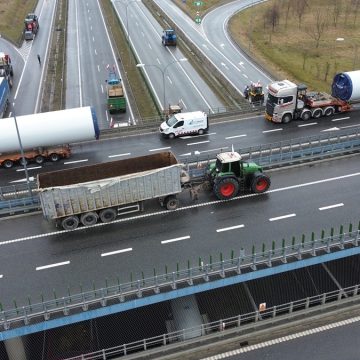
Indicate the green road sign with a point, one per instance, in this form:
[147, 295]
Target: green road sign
[198, 19]
[198, 3]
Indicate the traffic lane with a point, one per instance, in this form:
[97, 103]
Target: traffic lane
[221, 137]
[329, 342]
[142, 244]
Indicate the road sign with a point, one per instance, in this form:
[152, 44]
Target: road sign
[198, 3]
[197, 19]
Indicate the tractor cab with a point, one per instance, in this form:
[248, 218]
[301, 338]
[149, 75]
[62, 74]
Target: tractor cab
[256, 93]
[228, 162]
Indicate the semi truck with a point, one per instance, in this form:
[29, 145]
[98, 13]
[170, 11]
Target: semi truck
[287, 101]
[6, 69]
[31, 28]
[100, 192]
[116, 100]
[4, 96]
[45, 136]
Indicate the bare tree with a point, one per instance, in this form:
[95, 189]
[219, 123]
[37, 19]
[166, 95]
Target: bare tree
[273, 16]
[287, 11]
[318, 27]
[355, 6]
[299, 8]
[337, 5]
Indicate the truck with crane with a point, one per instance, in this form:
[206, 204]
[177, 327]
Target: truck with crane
[100, 192]
[116, 100]
[45, 136]
[169, 38]
[31, 28]
[287, 101]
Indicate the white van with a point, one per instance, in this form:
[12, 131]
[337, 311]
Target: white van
[185, 124]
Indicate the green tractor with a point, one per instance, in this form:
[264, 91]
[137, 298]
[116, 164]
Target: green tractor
[230, 175]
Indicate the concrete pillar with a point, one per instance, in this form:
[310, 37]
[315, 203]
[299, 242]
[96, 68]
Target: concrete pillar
[187, 315]
[15, 349]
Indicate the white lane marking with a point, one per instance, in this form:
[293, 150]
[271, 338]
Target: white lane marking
[231, 228]
[184, 208]
[149, 46]
[245, 76]
[1, 276]
[157, 59]
[98, 68]
[241, 64]
[195, 136]
[53, 265]
[309, 124]
[282, 217]
[116, 252]
[349, 126]
[246, 349]
[331, 206]
[199, 142]
[168, 77]
[95, 52]
[112, 156]
[158, 149]
[235, 136]
[31, 178]
[273, 130]
[182, 101]
[223, 148]
[188, 154]
[93, 39]
[176, 239]
[75, 161]
[340, 119]
[30, 168]
[102, 88]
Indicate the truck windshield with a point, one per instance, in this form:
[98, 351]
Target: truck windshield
[171, 121]
[272, 99]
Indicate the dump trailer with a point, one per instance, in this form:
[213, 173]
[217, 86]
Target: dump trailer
[4, 96]
[288, 101]
[46, 136]
[116, 100]
[100, 192]
[31, 26]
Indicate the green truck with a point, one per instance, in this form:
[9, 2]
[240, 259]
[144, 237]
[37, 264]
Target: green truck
[116, 101]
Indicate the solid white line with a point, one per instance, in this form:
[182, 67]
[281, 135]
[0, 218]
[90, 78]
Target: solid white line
[309, 124]
[176, 239]
[53, 265]
[235, 136]
[112, 156]
[188, 154]
[282, 217]
[30, 168]
[230, 228]
[331, 206]
[273, 130]
[75, 161]
[340, 119]
[223, 148]
[197, 143]
[164, 148]
[116, 252]
[349, 126]
[195, 136]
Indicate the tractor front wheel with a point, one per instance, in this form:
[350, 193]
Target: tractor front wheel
[260, 183]
[226, 188]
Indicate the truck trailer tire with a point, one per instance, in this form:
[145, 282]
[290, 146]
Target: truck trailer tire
[260, 183]
[317, 113]
[226, 188]
[54, 157]
[108, 215]
[39, 159]
[306, 115]
[7, 164]
[89, 218]
[171, 202]
[70, 223]
[329, 111]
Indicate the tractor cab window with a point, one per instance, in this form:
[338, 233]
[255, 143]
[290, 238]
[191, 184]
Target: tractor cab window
[171, 121]
[220, 167]
[235, 168]
[178, 124]
[285, 99]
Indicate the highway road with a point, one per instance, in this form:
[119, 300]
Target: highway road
[330, 342]
[240, 134]
[301, 200]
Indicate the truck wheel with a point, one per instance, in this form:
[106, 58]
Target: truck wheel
[201, 131]
[54, 157]
[317, 113]
[226, 188]
[329, 111]
[108, 215]
[89, 218]
[260, 183]
[70, 223]
[7, 164]
[171, 136]
[39, 159]
[286, 118]
[306, 115]
[171, 202]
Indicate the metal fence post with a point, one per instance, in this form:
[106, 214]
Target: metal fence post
[328, 245]
[307, 303]
[323, 299]
[291, 307]
[121, 297]
[139, 292]
[256, 316]
[299, 256]
[65, 310]
[356, 289]
[253, 265]
[206, 276]
[238, 321]
[190, 280]
[284, 259]
[269, 263]
[173, 284]
[222, 272]
[103, 297]
[274, 311]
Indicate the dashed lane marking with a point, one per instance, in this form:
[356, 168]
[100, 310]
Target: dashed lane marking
[52, 265]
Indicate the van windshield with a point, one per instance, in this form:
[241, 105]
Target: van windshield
[171, 121]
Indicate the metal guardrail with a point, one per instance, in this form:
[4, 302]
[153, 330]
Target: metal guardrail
[167, 282]
[278, 154]
[226, 325]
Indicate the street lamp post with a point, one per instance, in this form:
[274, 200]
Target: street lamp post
[163, 71]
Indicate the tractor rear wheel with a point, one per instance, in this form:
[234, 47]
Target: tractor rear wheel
[226, 188]
[171, 202]
[260, 183]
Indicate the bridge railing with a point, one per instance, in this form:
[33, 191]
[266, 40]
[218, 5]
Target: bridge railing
[223, 326]
[171, 281]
